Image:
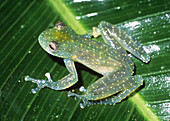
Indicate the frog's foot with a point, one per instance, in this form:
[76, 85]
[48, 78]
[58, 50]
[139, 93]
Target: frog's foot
[96, 32]
[85, 100]
[40, 83]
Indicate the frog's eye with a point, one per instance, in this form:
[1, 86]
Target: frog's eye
[60, 25]
[53, 46]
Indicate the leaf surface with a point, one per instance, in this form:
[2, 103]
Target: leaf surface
[23, 21]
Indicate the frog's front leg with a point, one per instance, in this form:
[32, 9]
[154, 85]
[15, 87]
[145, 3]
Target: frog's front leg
[102, 91]
[64, 83]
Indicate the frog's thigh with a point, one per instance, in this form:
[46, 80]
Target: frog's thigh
[107, 86]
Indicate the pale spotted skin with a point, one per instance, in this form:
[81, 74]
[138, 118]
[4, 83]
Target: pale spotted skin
[108, 58]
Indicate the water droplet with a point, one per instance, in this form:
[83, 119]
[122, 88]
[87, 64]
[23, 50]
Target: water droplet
[22, 26]
[139, 12]
[118, 7]
[162, 67]
[167, 15]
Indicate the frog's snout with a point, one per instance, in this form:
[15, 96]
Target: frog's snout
[43, 41]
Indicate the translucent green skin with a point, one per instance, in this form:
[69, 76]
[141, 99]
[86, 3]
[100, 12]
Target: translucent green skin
[108, 58]
[96, 55]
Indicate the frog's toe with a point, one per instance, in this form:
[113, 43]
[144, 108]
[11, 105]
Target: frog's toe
[27, 78]
[145, 58]
[82, 89]
[35, 90]
[40, 83]
[85, 103]
[48, 76]
[71, 94]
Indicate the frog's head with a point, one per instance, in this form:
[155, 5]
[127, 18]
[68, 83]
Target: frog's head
[57, 40]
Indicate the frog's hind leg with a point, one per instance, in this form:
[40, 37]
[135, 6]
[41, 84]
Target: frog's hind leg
[102, 91]
[114, 36]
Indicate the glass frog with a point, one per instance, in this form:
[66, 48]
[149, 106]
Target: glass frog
[108, 58]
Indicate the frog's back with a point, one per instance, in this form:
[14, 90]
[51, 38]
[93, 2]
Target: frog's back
[99, 56]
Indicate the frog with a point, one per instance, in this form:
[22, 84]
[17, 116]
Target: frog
[108, 58]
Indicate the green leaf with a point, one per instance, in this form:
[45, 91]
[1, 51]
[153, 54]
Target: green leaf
[23, 21]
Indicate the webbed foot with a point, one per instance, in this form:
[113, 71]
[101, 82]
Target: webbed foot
[86, 102]
[40, 83]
